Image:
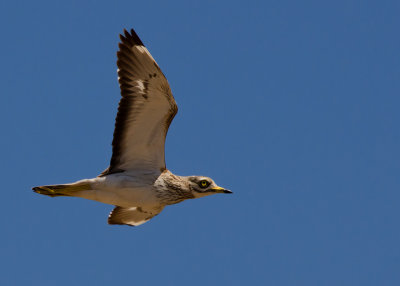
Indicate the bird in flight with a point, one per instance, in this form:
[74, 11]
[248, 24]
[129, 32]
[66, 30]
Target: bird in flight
[137, 181]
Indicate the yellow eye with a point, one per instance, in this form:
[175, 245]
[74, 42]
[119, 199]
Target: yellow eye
[204, 183]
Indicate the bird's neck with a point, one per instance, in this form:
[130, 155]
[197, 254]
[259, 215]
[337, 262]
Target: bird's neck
[172, 189]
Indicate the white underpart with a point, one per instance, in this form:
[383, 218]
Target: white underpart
[123, 190]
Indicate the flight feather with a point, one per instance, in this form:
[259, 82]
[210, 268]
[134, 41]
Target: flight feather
[145, 111]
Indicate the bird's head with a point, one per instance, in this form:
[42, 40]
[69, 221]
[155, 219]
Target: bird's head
[203, 186]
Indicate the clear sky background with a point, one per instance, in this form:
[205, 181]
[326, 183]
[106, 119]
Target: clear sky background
[293, 105]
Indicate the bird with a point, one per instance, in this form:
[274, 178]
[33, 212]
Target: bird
[137, 181]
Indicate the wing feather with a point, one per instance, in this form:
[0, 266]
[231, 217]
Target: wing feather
[133, 216]
[146, 110]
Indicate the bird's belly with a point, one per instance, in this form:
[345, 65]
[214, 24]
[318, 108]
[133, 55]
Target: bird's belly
[128, 197]
[124, 193]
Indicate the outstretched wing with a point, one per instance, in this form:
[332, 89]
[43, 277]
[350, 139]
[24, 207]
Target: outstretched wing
[133, 216]
[145, 111]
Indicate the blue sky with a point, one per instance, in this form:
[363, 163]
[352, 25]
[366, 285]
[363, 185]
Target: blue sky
[293, 105]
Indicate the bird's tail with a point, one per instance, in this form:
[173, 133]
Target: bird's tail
[62, 190]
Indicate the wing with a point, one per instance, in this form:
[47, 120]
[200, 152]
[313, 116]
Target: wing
[133, 216]
[145, 111]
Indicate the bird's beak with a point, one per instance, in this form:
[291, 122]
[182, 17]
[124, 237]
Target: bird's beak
[221, 190]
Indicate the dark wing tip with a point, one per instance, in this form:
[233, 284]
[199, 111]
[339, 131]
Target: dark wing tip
[131, 39]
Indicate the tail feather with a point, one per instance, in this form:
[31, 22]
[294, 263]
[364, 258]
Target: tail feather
[61, 190]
